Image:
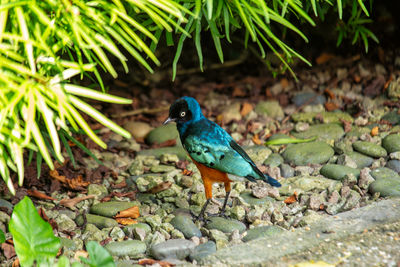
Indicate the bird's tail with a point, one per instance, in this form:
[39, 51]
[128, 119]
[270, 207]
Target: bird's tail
[271, 181]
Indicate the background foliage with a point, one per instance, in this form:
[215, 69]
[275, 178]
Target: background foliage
[44, 44]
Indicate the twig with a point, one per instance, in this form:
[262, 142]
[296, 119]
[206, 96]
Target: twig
[140, 111]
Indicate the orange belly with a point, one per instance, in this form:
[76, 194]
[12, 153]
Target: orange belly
[211, 176]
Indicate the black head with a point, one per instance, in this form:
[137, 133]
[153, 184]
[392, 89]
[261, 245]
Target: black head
[179, 112]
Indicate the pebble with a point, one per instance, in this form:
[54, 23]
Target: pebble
[369, 149]
[185, 224]
[225, 225]
[310, 216]
[129, 229]
[221, 240]
[172, 249]
[394, 165]
[92, 233]
[306, 184]
[384, 173]
[327, 117]
[162, 133]
[100, 221]
[131, 248]
[158, 152]
[65, 223]
[392, 117]
[202, 251]
[161, 168]
[262, 231]
[138, 129]
[6, 204]
[110, 209]
[361, 160]
[286, 170]
[389, 187]
[270, 108]
[231, 113]
[338, 172]
[251, 200]
[391, 143]
[238, 212]
[309, 98]
[274, 160]
[98, 190]
[323, 132]
[308, 153]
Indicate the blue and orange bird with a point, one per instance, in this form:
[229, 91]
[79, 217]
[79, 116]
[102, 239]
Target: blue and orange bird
[217, 156]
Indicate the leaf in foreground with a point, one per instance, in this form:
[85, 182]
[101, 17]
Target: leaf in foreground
[98, 256]
[2, 237]
[33, 237]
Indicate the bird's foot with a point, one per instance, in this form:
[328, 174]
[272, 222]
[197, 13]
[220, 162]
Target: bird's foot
[197, 218]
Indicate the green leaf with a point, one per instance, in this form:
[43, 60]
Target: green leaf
[2, 237]
[63, 261]
[283, 141]
[98, 256]
[340, 9]
[33, 237]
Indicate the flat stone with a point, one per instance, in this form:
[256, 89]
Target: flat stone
[6, 204]
[369, 149]
[157, 152]
[391, 143]
[308, 153]
[185, 224]
[300, 184]
[392, 117]
[231, 113]
[98, 190]
[274, 160]
[65, 223]
[394, 165]
[203, 250]
[361, 160]
[172, 249]
[162, 133]
[262, 231]
[138, 129]
[388, 187]
[129, 229]
[92, 233]
[100, 221]
[286, 170]
[327, 117]
[384, 173]
[131, 248]
[162, 168]
[309, 98]
[338, 172]
[225, 225]
[251, 200]
[258, 153]
[110, 209]
[270, 108]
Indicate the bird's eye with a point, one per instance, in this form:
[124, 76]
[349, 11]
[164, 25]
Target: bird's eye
[183, 113]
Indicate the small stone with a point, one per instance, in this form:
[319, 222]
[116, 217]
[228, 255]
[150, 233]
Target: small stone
[185, 224]
[365, 179]
[391, 143]
[306, 184]
[369, 149]
[361, 160]
[301, 126]
[389, 187]
[286, 170]
[162, 134]
[172, 249]
[225, 225]
[98, 190]
[162, 168]
[323, 132]
[110, 209]
[318, 113]
[92, 233]
[308, 153]
[202, 251]
[394, 165]
[270, 108]
[395, 155]
[6, 204]
[136, 168]
[138, 129]
[262, 231]
[158, 152]
[100, 221]
[238, 212]
[116, 233]
[153, 220]
[259, 192]
[65, 223]
[310, 217]
[394, 89]
[352, 201]
[334, 197]
[169, 158]
[338, 172]
[315, 201]
[131, 248]
[231, 113]
[220, 239]
[309, 98]
[384, 173]
[277, 216]
[249, 199]
[274, 160]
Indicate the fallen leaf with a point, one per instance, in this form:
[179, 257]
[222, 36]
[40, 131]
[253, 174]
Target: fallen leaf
[357, 78]
[151, 262]
[219, 119]
[52, 222]
[323, 58]
[16, 263]
[239, 91]
[71, 202]
[284, 83]
[40, 195]
[167, 143]
[330, 106]
[160, 187]
[75, 183]
[8, 250]
[375, 131]
[256, 139]
[132, 212]
[187, 172]
[126, 221]
[291, 199]
[246, 109]
[330, 94]
[105, 241]
[80, 253]
[120, 185]
[346, 125]
[131, 195]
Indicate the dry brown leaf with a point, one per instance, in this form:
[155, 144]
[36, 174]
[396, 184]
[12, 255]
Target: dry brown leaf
[54, 174]
[246, 109]
[160, 187]
[76, 183]
[187, 172]
[71, 202]
[132, 212]
[120, 185]
[330, 94]
[291, 199]
[8, 250]
[239, 91]
[151, 262]
[330, 106]
[256, 140]
[126, 221]
[284, 83]
[346, 125]
[15, 263]
[323, 58]
[80, 253]
[40, 195]
[375, 131]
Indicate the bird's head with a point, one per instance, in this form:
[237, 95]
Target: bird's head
[184, 111]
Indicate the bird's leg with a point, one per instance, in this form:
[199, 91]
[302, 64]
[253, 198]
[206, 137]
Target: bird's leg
[203, 209]
[222, 212]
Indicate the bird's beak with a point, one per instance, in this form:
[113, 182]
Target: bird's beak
[168, 120]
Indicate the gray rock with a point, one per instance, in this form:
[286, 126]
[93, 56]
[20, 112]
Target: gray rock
[138, 129]
[238, 212]
[394, 165]
[308, 98]
[203, 250]
[384, 173]
[231, 113]
[131, 248]
[162, 133]
[344, 145]
[308, 153]
[97, 190]
[286, 170]
[100, 221]
[352, 201]
[251, 200]
[392, 117]
[323, 132]
[391, 143]
[172, 249]
[225, 225]
[369, 149]
[262, 231]
[110, 209]
[270, 108]
[338, 172]
[4, 203]
[92, 233]
[65, 223]
[162, 168]
[221, 239]
[274, 160]
[185, 224]
[258, 153]
[389, 187]
[157, 152]
[361, 160]
[302, 184]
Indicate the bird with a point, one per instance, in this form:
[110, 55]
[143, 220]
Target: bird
[214, 152]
